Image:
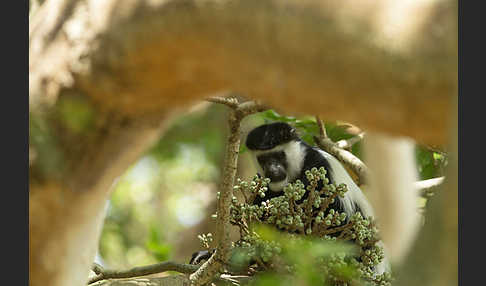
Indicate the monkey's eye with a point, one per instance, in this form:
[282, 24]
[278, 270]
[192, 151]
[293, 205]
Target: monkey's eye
[281, 156]
[261, 160]
[274, 157]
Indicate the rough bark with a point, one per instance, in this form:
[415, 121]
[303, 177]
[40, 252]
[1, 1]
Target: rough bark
[134, 63]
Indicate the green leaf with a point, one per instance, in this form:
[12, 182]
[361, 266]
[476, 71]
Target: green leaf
[272, 115]
[438, 156]
[427, 162]
[156, 246]
[243, 149]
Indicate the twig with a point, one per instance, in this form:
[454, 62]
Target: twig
[337, 229]
[141, 271]
[322, 127]
[346, 157]
[235, 279]
[428, 187]
[327, 201]
[309, 206]
[348, 143]
[213, 265]
[249, 107]
[231, 102]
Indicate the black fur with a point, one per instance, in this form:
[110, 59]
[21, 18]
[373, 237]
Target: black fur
[198, 257]
[268, 136]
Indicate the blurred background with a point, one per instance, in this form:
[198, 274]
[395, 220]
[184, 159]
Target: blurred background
[166, 199]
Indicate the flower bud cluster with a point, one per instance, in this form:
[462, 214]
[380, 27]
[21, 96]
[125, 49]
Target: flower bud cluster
[333, 218]
[254, 246]
[205, 239]
[301, 212]
[363, 231]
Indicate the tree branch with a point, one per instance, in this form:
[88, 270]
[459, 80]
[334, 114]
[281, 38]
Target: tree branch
[346, 157]
[212, 266]
[348, 143]
[171, 280]
[428, 187]
[231, 102]
[322, 128]
[103, 274]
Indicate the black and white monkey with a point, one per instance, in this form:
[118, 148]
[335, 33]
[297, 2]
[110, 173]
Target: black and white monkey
[283, 157]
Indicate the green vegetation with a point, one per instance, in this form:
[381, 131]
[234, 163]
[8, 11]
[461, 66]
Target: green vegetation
[158, 205]
[310, 252]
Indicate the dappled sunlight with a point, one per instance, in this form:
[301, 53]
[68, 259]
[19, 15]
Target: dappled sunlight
[189, 211]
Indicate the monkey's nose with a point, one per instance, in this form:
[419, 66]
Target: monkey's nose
[275, 175]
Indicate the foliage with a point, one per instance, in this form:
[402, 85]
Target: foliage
[309, 250]
[430, 162]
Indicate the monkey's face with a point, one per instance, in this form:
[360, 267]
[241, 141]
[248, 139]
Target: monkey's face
[274, 165]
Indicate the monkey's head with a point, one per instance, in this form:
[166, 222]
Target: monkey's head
[278, 153]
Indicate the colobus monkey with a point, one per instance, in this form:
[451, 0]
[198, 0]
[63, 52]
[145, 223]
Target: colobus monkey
[283, 157]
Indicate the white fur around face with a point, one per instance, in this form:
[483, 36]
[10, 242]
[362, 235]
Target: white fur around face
[294, 153]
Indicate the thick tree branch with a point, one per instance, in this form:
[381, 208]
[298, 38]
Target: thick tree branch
[102, 274]
[172, 280]
[100, 50]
